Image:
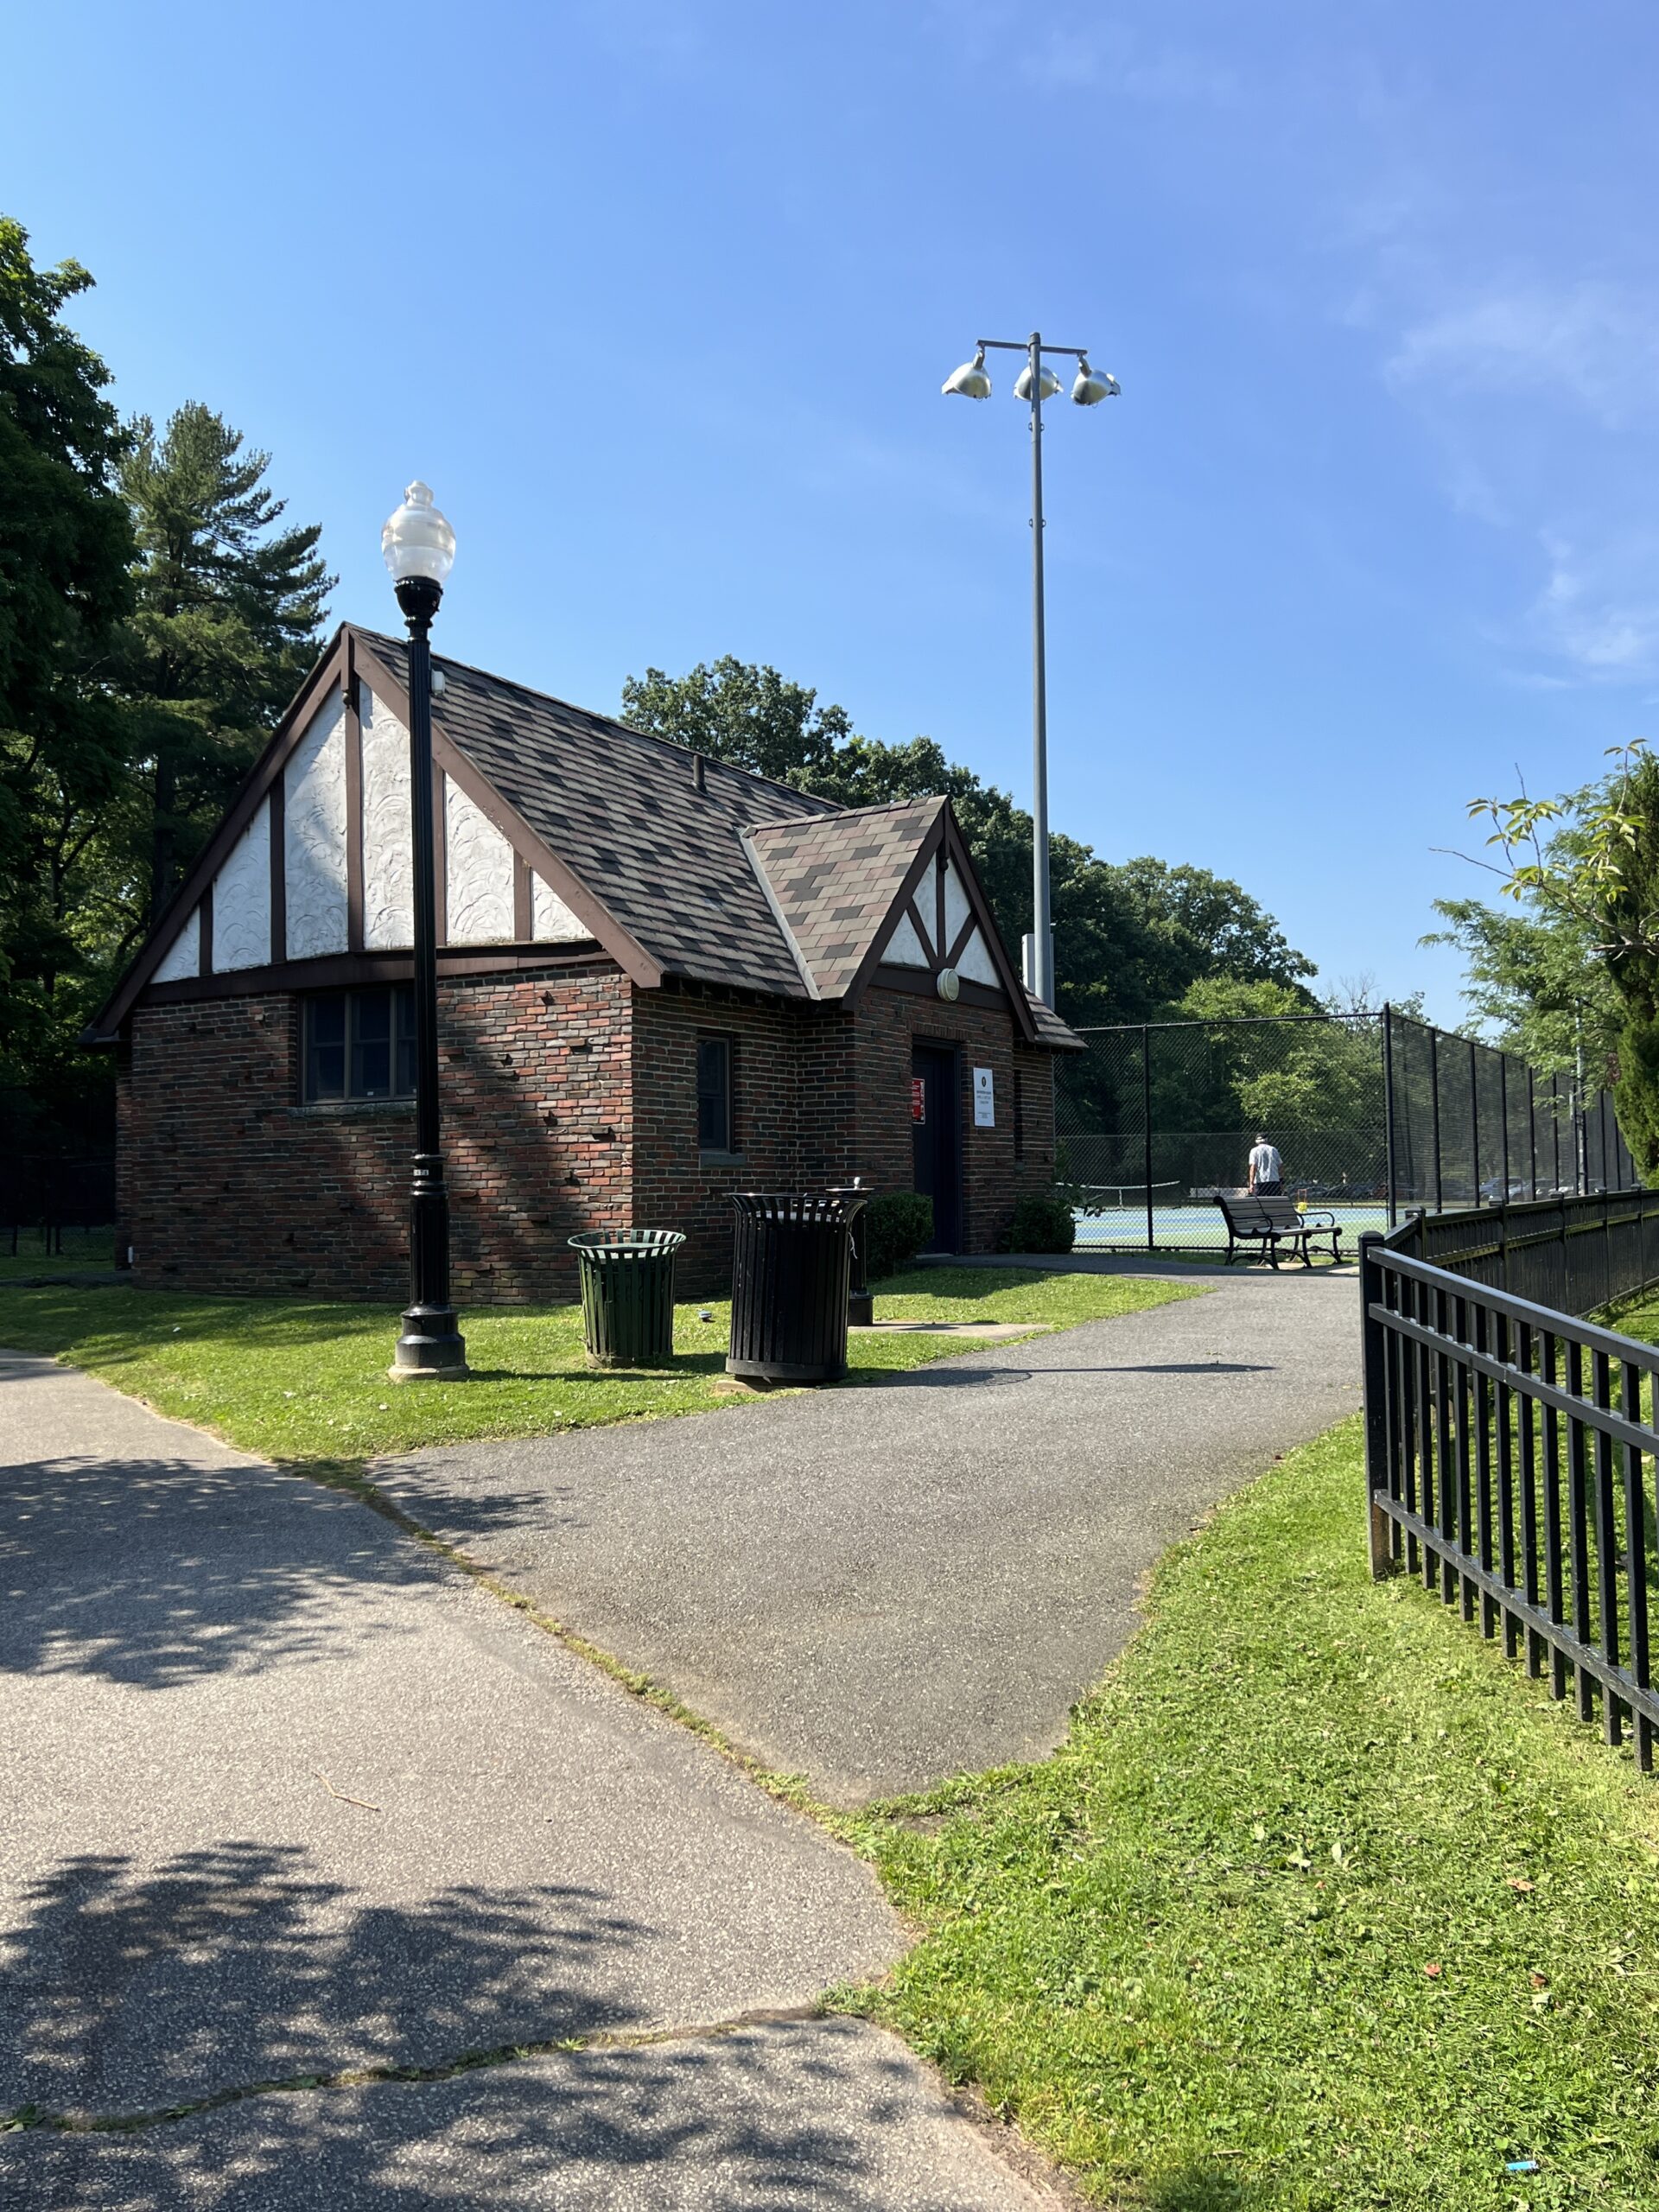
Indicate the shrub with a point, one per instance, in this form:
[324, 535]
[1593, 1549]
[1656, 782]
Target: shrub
[1042, 1222]
[896, 1225]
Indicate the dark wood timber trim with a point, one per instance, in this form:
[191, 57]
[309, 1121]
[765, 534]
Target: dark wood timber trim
[959, 943]
[205, 932]
[288, 732]
[955, 845]
[353, 801]
[278, 871]
[907, 890]
[924, 936]
[440, 855]
[338, 970]
[913, 980]
[624, 947]
[938, 902]
[521, 898]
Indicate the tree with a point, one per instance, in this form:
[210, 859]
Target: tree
[1535, 981]
[229, 610]
[1131, 939]
[65, 541]
[1586, 866]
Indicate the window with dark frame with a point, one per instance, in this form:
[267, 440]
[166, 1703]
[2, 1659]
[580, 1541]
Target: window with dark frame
[715, 1130]
[359, 1043]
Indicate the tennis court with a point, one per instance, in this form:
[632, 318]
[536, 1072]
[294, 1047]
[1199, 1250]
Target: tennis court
[1196, 1225]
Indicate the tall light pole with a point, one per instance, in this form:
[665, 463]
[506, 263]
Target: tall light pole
[1036, 383]
[420, 550]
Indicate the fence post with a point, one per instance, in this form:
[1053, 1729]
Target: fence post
[1504, 1116]
[1374, 1368]
[1392, 1166]
[1474, 1120]
[1146, 1101]
[1532, 1135]
[1434, 1110]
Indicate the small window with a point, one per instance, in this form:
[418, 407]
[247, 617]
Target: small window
[360, 1043]
[715, 1095]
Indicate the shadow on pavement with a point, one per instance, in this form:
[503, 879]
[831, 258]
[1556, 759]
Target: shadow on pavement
[153, 1572]
[235, 1964]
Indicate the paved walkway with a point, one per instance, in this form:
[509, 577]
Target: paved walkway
[879, 1587]
[282, 1797]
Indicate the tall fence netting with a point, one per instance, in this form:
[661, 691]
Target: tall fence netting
[1374, 1116]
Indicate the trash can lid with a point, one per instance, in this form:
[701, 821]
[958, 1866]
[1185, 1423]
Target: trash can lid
[627, 1244]
[798, 1206]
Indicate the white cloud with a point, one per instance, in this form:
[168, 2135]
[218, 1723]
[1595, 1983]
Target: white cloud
[1599, 608]
[1593, 343]
[1107, 57]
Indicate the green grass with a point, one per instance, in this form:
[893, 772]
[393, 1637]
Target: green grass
[1323, 1905]
[297, 1379]
[85, 1250]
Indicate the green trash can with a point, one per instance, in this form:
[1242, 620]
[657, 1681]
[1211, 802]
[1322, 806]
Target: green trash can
[627, 1295]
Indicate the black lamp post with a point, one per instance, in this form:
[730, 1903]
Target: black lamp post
[419, 549]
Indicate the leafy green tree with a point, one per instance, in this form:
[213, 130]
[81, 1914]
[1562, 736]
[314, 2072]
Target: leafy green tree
[66, 542]
[1586, 868]
[1534, 982]
[229, 611]
[1129, 939]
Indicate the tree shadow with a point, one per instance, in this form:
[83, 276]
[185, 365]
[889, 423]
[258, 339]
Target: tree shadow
[821, 2115]
[153, 1572]
[129, 1990]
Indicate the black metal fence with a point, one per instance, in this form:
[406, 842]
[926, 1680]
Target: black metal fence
[1373, 1114]
[1512, 1448]
[43, 1199]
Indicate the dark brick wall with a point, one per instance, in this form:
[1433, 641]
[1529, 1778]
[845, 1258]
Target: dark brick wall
[227, 1184]
[889, 1024]
[569, 1104]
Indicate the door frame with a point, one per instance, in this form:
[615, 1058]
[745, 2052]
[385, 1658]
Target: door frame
[948, 1048]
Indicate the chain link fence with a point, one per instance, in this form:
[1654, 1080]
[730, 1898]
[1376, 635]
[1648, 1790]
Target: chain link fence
[1374, 1116]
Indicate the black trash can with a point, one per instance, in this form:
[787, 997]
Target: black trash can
[627, 1295]
[791, 1265]
[861, 1305]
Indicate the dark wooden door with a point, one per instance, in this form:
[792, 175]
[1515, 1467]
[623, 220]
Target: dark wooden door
[936, 1137]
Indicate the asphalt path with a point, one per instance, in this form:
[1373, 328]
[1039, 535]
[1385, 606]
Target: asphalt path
[880, 1587]
[283, 1796]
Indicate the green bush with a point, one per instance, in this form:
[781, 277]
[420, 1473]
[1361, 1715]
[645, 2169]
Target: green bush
[896, 1227]
[1042, 1222]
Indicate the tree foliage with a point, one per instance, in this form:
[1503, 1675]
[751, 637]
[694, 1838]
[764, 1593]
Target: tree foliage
[229, 607]
[156, 615]
[1584, 955]
[1129, 939]
[66, 543]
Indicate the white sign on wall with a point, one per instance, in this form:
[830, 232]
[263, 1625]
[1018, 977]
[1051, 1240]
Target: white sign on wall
[984, 1099]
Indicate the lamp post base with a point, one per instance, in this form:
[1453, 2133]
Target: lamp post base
[431, 1349]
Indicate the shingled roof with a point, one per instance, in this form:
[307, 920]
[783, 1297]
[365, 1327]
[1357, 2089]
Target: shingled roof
[836, 880]
[623, 811]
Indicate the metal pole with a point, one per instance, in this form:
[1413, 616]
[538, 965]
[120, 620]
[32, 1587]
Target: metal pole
[1474, 1121]
[1504, 1116]
[1532, 1135]
[1435, 1109]
[1041, 927]
[1555, 1125]
[1581, 1132]
[1146, 1103]
[430, 1346]
[1391, 1167]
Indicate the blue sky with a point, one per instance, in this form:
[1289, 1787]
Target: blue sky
[659, 298]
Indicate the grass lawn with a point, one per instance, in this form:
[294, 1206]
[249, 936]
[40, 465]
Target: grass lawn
[1323, 1905]
[296, 1379]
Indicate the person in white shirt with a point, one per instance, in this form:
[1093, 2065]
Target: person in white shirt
[1267, 1170]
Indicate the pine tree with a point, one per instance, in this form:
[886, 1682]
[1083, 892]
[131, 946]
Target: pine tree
[66, 542]
[228, 615]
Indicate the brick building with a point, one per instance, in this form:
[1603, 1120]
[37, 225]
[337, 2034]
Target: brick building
[661, 981]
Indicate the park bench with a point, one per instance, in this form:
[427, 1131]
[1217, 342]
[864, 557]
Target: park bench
[1264, 1225]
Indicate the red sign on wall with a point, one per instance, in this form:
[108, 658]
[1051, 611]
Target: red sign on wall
[918, 1098]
